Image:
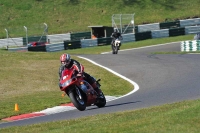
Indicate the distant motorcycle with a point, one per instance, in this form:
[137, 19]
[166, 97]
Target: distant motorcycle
[116, 45]
[81, 93]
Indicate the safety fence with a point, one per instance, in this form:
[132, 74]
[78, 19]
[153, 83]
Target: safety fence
[11, 42]
[142, 32]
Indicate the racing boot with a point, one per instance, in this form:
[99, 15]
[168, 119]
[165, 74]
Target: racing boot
[97, 89]
[119, 46]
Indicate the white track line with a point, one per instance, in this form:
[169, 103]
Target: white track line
[143, 47]
[63, 108]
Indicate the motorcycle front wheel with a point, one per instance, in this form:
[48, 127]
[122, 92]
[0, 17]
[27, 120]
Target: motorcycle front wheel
[114, 49]
[77, 100]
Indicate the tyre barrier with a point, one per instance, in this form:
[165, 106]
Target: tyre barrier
[160, 33]
[54, 47]
[190, 45]
[88, 43]
[47, 47]
[18, 49]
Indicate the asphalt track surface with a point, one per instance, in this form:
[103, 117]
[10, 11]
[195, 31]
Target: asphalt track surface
[162, 79]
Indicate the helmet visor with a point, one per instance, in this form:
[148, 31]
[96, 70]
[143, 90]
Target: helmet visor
[66, 62]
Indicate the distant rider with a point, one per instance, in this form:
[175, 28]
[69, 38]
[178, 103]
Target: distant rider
[197, 36]
[115, 35]
[67, 63]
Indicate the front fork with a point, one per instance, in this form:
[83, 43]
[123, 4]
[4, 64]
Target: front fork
[78, 92]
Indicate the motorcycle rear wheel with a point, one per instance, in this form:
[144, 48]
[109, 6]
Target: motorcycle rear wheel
[101, 102]
[78, 103]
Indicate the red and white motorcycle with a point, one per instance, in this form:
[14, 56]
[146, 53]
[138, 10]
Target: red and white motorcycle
[81, 93]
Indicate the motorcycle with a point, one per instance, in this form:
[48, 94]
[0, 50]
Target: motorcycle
[116, 45]
[80, 92]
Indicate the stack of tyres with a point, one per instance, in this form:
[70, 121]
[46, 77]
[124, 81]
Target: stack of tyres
[143, 35]
[68, 44]
[37, 48]
[104, 41]
[177, 31]
[168, 25]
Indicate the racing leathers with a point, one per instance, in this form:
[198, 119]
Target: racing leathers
[115, 35]
[91, 80]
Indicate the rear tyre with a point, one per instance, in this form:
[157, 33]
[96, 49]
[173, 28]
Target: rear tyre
[113, 49]
[78, 102]
[101, 101]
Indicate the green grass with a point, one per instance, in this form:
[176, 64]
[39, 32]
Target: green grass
[183, 117]
[30, 78]
[30, 89]
[64, 16]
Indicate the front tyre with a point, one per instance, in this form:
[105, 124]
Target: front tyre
[114, 49]
[78, 101]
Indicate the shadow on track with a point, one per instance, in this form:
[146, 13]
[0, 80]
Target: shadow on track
[108, 106]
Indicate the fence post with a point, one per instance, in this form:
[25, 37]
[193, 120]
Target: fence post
[26, 35]
[7, 38]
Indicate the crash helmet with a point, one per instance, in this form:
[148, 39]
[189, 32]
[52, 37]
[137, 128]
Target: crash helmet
[65, 59]
[115, 30]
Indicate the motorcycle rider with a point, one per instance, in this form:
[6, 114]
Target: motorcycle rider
[115, 35]
[197, 36]
[67, 62]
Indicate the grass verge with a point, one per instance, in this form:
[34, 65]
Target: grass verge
[180, 117]
[33, 79]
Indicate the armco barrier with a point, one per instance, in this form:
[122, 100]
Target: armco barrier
[88, 43]
[190, 45]
[160, 33]
[54, 47]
